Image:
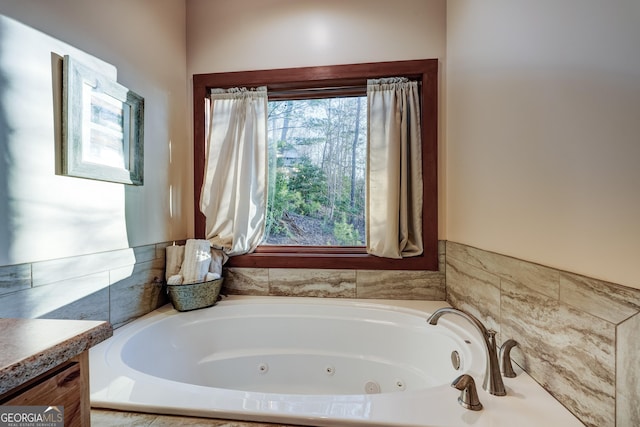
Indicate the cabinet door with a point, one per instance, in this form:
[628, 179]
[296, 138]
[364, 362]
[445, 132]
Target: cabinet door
[65, 386]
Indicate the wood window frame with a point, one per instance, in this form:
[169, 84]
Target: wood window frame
[350, 77]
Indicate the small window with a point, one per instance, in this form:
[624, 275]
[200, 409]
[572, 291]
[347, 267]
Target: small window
[341, 82]
[317, 172]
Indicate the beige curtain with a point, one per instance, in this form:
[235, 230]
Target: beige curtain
[394, 169]
[234, 191]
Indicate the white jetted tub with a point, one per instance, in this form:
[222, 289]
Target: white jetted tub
[309, 361]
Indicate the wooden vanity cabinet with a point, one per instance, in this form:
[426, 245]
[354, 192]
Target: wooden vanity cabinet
[66, 385]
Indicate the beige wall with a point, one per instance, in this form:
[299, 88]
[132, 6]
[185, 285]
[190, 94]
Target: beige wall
[142, 42]
[541, 98]
[231, 35]
[543, 132]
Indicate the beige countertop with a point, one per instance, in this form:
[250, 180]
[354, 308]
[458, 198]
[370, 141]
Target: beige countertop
[30, 347]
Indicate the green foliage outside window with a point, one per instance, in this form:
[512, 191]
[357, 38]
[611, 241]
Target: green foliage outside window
[317, 190]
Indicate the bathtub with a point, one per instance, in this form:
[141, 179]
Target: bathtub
[309, 361]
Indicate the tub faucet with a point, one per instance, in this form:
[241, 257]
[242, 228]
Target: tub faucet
[505, 358]
[492, 379]
[468, 394]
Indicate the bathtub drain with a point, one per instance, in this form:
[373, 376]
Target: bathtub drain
[263, 368]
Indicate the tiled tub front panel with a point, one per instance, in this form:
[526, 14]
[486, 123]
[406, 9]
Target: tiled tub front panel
[578, 336]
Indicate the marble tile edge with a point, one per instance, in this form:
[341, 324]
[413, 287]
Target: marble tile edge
[607, 300]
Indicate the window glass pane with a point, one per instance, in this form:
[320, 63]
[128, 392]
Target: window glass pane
[317, 172]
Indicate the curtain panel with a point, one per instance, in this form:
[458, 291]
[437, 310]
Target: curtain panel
[235, 186]
[394, 169]
[234, 191]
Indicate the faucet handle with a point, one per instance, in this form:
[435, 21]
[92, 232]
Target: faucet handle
[505, 358]
[469, 395]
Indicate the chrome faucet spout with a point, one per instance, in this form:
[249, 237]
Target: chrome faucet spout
[492, 383]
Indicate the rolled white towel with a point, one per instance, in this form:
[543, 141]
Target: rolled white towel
[211, 276]
[218, 258]
[197, 259]
[176, 279]
[174, 256]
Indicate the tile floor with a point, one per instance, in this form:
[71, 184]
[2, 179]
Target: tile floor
[108, 418]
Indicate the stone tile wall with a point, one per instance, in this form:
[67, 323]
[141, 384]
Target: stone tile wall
[391, 284]
[420, 285]
[117, 286]
[578, 337]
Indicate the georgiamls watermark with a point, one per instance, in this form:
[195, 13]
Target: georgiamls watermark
[31, 416]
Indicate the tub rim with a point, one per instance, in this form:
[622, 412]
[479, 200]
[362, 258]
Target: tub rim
[363, 410]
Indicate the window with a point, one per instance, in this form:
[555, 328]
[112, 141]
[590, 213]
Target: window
[317, 172]
[313, 83]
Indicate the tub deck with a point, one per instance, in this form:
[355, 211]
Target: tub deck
[527, 404]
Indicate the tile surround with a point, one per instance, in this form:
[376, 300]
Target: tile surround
[246, 281]
[609, 301]
[80, 298]
[136, 290]
[15, 277]
[398, 284]
[56, 270]
[116, 286]
[394, 284]
[628, 373]
[569, 352]
[475, 291]
[312, 283]
[389, 284]
[578, 336]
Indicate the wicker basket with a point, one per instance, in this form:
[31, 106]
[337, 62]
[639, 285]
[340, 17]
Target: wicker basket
[194, 295]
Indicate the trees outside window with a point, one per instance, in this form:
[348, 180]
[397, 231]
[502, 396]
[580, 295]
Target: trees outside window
[317, 193]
